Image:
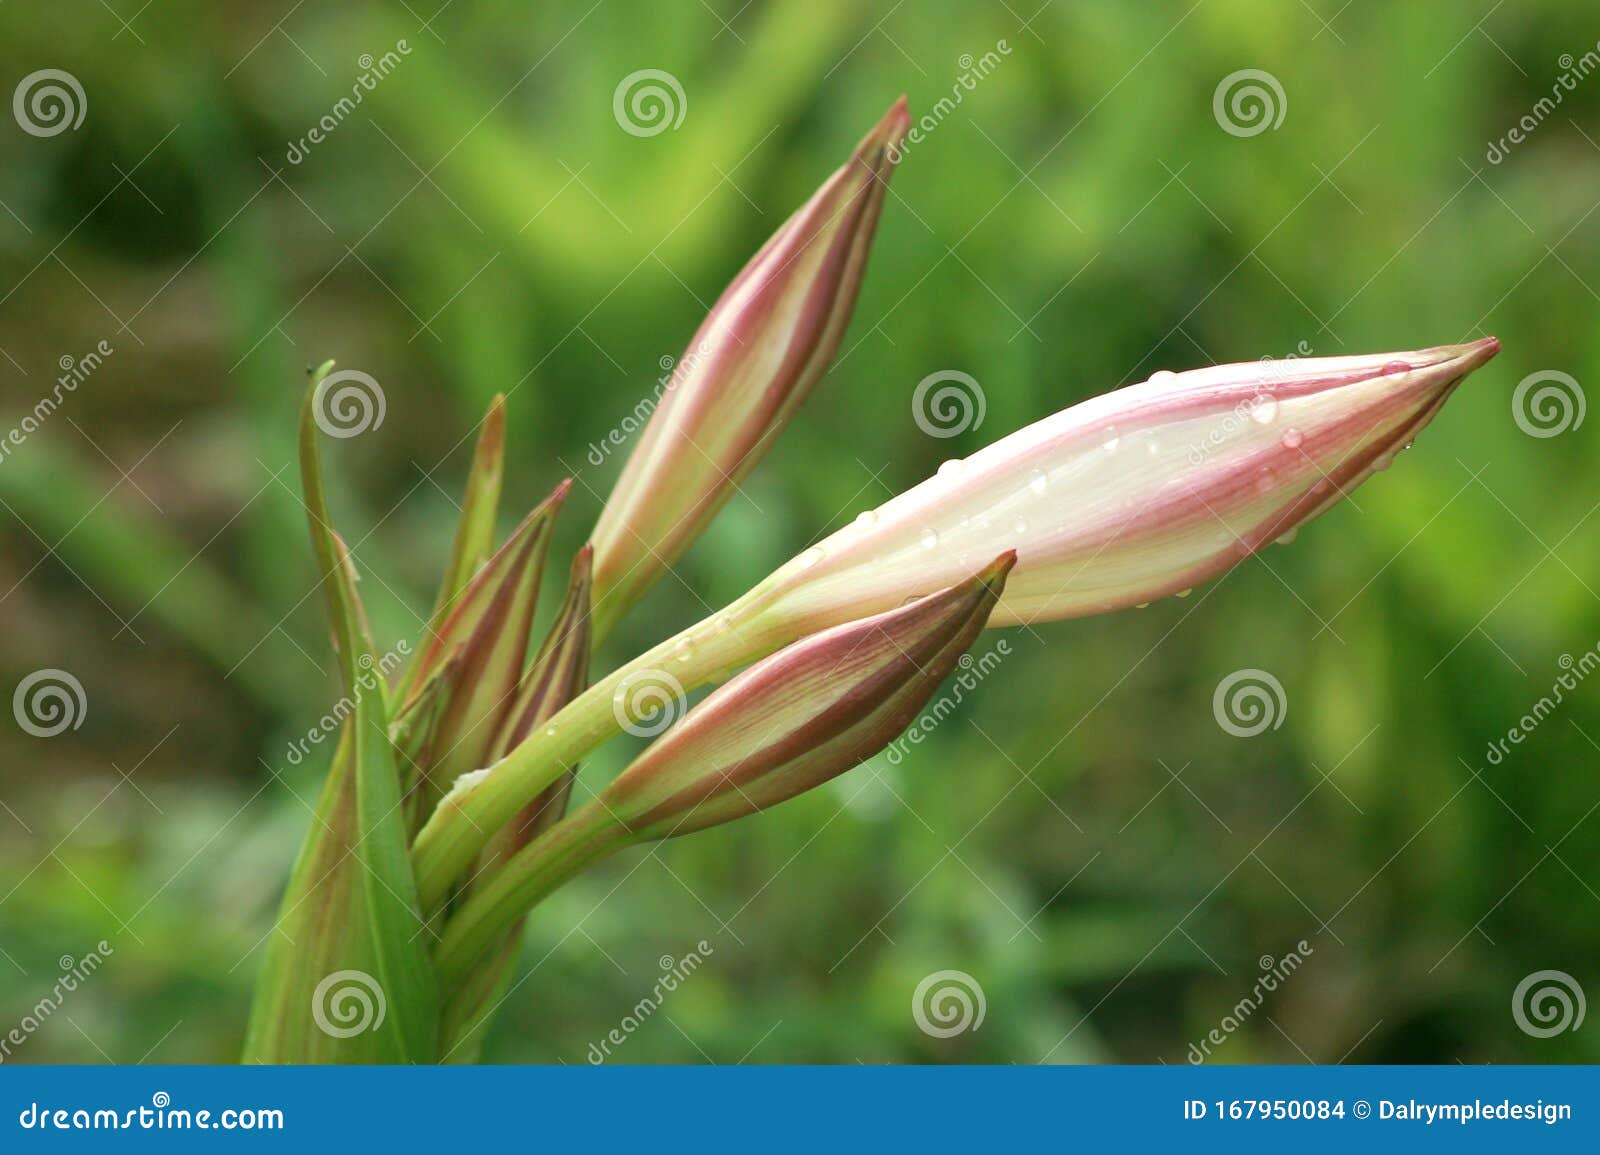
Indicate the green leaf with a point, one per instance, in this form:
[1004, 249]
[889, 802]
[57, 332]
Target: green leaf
[347, 977]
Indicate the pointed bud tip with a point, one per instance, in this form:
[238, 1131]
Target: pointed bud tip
[994, 574]
[1476, 353]
[1462, 359]
[884, 140]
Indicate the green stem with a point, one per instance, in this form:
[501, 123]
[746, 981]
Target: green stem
[544, 865]
[469, 815]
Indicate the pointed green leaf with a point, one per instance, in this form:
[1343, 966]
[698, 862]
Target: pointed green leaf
[347, 977]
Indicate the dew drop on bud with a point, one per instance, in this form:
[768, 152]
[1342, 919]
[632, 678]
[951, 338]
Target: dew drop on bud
[1264, 410]
[1383, 461]
[1396, 367]
[1289, 535]
[1037, 481]
[867, 518]
[1141, 605]
[951, 468]
[1184, 593]
[684, 653]
[1162, 375]
[811, 557]
[930, 538]
[550, 732]
[1293, 438]
[1020, 525]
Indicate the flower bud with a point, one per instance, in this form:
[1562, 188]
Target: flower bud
[467, 675]
[1132, 495]
[784, 726]
[765, 343]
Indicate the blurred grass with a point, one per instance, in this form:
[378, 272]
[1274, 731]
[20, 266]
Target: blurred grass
[481, 224]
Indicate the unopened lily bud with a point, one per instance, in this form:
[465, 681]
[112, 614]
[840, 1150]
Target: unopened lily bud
[468, 673]
[784, 726]
[559, 673]
[1132, 495]
[765, 343]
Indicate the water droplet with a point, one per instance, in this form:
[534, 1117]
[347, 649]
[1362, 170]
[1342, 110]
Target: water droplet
[1396, 367]
[811, 557]
[550, 731]
[684, 653]
[1020, 525]
[1264, 410]
[1184, 593]
[951, 468]
[930, 538]
[1037, 481]
[1162, 375]
[1293, 438]
[1153, 448]
[1289, 536]
[1141, 605]
[1382, 461]
[867, 518]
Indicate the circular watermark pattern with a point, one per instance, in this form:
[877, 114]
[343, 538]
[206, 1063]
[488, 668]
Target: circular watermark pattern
[948, 403]
[1249, 702]
[647, 702]
[1249, 102]
[347, 403]
[1546, 1003]
[1548, 403]
[161, 1100]
[948, 1003]
[649, 102]
[49, 102]
[49, 702]
[348, 1003]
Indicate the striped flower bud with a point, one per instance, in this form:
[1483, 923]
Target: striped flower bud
[764, 344]
[784, 726]
[1132, 495]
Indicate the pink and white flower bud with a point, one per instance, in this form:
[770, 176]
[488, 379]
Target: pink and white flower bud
[1132, 495]
[765, 343]
[784, 726]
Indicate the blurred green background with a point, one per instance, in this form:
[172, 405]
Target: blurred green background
[1082, 838]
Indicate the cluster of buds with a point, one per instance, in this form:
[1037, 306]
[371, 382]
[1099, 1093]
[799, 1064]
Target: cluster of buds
[445, 821]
